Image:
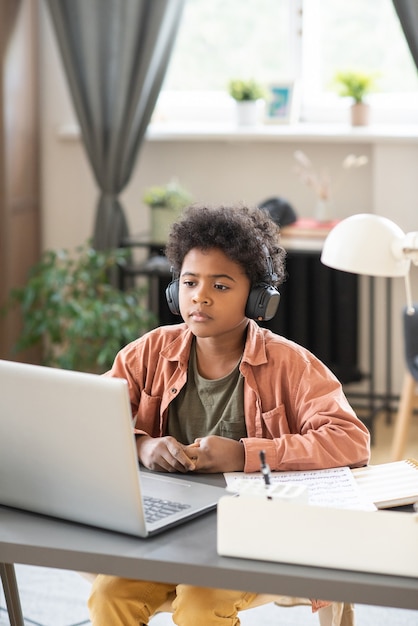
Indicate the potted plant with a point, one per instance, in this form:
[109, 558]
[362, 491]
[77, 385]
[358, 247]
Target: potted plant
[72, 311]
[166, 203]
[246, 94]
[356, 85]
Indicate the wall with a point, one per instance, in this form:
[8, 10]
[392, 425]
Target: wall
[226, 168]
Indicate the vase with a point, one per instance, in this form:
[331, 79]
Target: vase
[247, 113]
[323, 210]
[360, 114]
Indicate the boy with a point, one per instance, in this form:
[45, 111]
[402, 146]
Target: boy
[210, 393]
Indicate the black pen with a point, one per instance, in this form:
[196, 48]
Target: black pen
[265, 469]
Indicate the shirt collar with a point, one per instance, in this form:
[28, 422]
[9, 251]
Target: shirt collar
[254, 348]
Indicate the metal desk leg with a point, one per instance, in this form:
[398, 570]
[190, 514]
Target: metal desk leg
[11, 592]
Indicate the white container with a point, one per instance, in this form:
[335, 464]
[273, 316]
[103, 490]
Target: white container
[384, 542]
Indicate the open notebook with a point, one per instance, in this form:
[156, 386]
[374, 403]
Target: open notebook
[67, 450]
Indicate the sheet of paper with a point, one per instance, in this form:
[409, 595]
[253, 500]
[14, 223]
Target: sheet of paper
[334, 487]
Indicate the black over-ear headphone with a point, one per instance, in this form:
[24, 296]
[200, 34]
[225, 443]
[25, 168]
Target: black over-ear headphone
[263, 299]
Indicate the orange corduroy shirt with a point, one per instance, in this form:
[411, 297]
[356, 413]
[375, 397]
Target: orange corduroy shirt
[294, 406]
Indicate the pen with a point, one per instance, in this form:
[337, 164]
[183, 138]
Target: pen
[265, 469]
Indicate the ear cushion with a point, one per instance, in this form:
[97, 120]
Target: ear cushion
[263, 301]
[172, 297]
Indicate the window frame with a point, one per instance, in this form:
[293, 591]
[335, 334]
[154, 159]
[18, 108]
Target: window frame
[208, 107]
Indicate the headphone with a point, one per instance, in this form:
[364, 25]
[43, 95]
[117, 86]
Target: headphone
[263, 299]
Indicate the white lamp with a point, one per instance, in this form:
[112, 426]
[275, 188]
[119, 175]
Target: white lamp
[367, 244]
[376, 246]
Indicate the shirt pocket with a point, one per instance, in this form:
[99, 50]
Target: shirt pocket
[233, 429]
[148, 414]
[274, 422]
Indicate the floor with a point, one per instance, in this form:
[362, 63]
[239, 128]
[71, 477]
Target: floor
[58, 598]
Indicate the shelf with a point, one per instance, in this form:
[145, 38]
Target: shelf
[323, 133]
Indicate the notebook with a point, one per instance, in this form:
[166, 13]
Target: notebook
[389, 484]
[67, 450]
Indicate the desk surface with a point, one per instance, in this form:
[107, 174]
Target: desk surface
[187, 554]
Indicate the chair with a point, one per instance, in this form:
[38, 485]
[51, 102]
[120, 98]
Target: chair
[337, 614]
[407, 402]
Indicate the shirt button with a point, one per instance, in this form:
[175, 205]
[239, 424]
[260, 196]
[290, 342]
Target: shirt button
[173, 390]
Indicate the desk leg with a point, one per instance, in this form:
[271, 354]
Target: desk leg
[11, 592]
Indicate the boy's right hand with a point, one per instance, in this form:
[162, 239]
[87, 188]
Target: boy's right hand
[163, 454]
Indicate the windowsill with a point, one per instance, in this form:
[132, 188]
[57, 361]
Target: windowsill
[332, 133]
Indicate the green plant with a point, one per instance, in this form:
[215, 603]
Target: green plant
[355, 84]
[169, 196]
[70, 308]
[245, 90]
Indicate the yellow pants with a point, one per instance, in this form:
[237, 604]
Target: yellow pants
[124, 602]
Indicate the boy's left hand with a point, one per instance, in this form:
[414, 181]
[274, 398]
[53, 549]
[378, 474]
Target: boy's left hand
[215, 454]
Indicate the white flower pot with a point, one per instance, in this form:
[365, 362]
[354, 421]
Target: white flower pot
[247, 113]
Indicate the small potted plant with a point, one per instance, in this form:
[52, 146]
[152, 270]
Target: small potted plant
[73, 313]
[246, 94]
[166, 203]
[356, 85]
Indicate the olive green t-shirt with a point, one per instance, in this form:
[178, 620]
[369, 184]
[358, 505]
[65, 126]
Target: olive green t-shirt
[208, 407]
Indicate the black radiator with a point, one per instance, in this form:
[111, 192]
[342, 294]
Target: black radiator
[319, 310]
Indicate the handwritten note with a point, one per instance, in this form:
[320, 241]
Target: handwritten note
[334, 487]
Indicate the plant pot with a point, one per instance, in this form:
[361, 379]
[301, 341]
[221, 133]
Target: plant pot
[360, 114]
[247, 113]
[161, 220]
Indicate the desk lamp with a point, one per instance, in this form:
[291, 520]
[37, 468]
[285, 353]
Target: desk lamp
[375, 246]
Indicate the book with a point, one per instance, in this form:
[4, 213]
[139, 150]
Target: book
[306, 227]
[389, 484]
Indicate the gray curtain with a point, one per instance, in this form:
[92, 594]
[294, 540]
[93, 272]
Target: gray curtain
[115, 54]
[407, 11]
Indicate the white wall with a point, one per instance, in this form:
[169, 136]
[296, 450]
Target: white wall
[221, 170]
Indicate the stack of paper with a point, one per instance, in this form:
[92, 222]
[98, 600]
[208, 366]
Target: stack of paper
[389, 484]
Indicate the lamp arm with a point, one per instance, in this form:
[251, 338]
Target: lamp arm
[410, 310]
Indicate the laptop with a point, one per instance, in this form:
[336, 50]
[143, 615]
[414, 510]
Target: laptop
[67, 450]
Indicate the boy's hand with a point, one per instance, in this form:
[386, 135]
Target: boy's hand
[164, 454]
[214, 454]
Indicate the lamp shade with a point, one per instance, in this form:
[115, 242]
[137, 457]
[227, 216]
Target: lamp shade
[366, 244]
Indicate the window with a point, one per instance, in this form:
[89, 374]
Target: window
[278, 40]
[363, 35]
[223, 39]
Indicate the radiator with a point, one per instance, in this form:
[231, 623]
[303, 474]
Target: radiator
[319, 310]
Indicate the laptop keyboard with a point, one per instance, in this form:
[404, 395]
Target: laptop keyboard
[157, 508]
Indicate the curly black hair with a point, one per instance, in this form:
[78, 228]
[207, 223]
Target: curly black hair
[245, 234]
